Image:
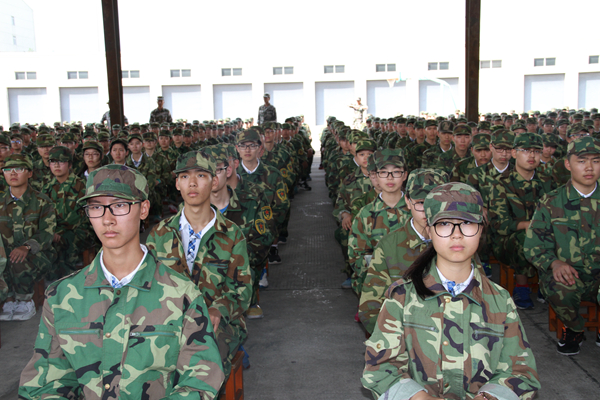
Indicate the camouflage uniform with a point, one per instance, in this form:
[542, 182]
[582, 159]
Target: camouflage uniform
[359, 111]
[413, 346]
[150, 339]
[29, 220]
[148, 169]
[3, 262]
[160, 115]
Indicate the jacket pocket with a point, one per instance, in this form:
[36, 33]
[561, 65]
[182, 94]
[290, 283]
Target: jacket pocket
[154, 347]
[486, 341]
[74, 338]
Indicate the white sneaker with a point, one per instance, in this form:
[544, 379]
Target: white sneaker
[263, 283]
[7, 311]
[24, 311]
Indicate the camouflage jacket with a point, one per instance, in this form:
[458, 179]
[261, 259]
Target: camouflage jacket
[266, 113]
[160, 116]
[374, 221]
[462, 169]
[565, 227]
[221, 269]
[415, 347]
[171, 155]
[432, 155]
[277, 159]
[362, 201]
[482, 179]
[30, 219]
[3, 262]
[560, 174]
[546, 167]
[139, 341]
[449, 159]
[147, 168]
[393, 255]
[162, 167]
[69, 216]
[513, 199]
[353, 186]
[253, 214]
[41, 175]
[414, 154]
[274, 187]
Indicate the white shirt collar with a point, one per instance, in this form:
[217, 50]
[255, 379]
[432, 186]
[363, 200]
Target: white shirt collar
[114, 282]
[459, 287]
[500, 171]
[585, 196]
[250, 171]
[418, 233]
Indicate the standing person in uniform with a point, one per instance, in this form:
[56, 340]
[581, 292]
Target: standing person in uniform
[160, 114]
[359, 113]
[267, 112]
[126, 326]
[445, 330]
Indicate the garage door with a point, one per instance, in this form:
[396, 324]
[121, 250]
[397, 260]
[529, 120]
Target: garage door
[182, 101]
[234, 101]
[28, 105]
[137, 104]
[80, 104]
[333, 99]
[385, 101]
[288, 99]
[544, 92]
[589, 90]
[438, 98]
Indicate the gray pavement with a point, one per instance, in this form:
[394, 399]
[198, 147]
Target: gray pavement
[308, 345]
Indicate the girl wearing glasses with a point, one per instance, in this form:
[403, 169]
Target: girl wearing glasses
[445, 330]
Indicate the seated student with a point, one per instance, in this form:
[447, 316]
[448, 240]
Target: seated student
[562, 242]
[27, 224]
[64, 190]
[126, 326]
[445, 330]
[209, 249]
[381, 216]
[92, 156]
[119, 151]
[396, 252]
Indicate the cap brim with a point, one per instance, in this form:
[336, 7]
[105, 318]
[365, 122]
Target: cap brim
[107, 193]
[177, 171]
[465, 216]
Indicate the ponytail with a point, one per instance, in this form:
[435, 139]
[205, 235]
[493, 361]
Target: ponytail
[419, 269]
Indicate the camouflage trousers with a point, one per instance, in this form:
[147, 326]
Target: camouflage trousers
[3, 285]
[341, 235]
[255, 272]
[229, 339]
[509, 250]
[20, 278]
[283, 229]
[565, 300]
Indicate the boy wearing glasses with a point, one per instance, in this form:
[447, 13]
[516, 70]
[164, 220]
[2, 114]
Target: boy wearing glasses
[380, 217]
[16, 142]
[513, 199]
[27, 224]
[126, 326]
[65, 189]
[210, 250]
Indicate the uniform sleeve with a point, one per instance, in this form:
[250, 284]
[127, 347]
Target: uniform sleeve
[516, 375]
[501, 218]
[386, 357]
[540, 243]
[237, 291]
[42, 238]
[199, 362]
[372, 296]
[358, 240]
[48, 373]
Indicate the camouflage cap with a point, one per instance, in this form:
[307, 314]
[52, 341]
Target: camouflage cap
[531, 120]
[286, 126]
[116, 127]
[385, 157]
[481, 141]
[218, 152]
[164, 132]
[516, 126]
[25, 130]
[365, 144]
[88, 134]
[423, 180]
[149, 136]
[249, 135]
[116, 180]
[103, 135]
[589, 123]
[45, 140]
[134, 136]
[576, 128]
[462, 130]
[550, 139]
[453, 200]
[595, 116]
[355, 136]
[446, 127]
[371, 165]
[549, 121]
[528, 141]
[503, 137]
[584, 145]
[18, 161]
[431, 122]
[577, 116]
[188, 133]
[68, 137]
[119, 140]
[93, 145]
[196, 160]
[419, 125]
[61, 153]
[5, 139]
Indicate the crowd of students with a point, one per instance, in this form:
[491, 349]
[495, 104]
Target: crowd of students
[424, 205]
[157, 319]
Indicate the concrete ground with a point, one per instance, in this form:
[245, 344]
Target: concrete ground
[308, 345]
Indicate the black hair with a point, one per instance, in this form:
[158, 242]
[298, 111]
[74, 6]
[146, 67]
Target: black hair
[419, 269]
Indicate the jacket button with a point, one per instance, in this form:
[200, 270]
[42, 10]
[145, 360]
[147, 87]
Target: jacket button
[107, 335]
[446, 385]
[107, 386]
[118, 292]
[445, 343]
[379, 346]
[447, 300]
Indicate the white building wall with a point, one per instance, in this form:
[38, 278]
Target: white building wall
[17, 30]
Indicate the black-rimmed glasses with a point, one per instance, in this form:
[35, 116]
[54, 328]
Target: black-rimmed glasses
[117, 209]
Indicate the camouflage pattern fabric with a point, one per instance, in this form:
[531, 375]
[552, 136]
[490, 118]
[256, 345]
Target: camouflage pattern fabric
[449, 159]
[71, 224]
[266, 113]
[559, 173]
[374, 221]
[29, 220]
[462, 169]
[394, 254]
[148, 169]
[150, 339]
[158, 115]
[432, 155]
[362, 201]
[42, 175]
[565, 227]
[3, 284]
[483, 178]
[414, 153]
[221, 271]
[413, 346]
